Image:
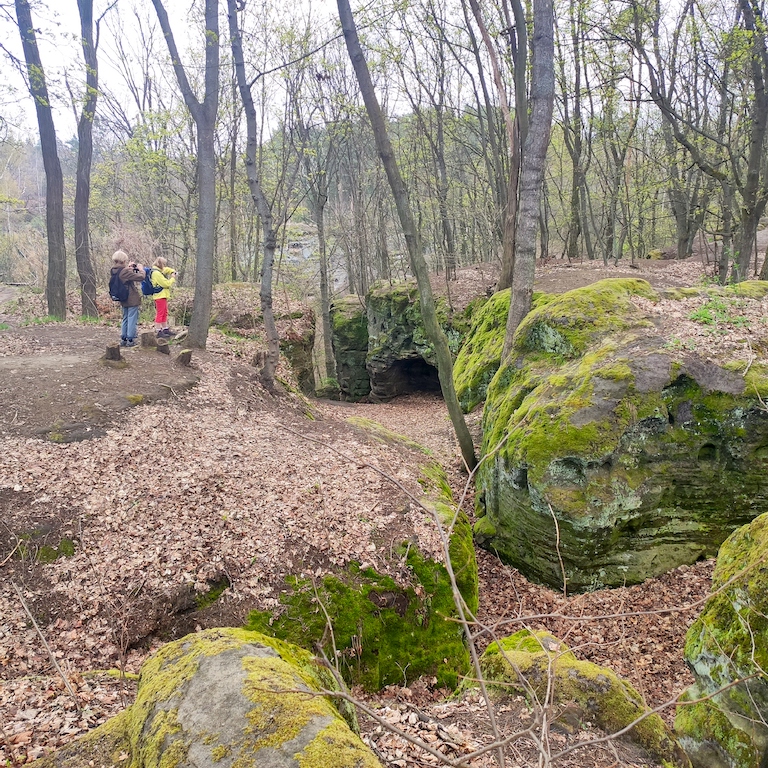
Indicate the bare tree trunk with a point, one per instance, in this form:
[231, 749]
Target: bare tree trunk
[54, 180]
[534, 157]
[325, 293]
[259, 199]
[418, 264]
[516, 133]
[85, 269]
[233, 273]
[204, 115]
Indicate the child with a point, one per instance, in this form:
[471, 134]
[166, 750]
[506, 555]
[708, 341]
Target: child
[163, 276]
[131, 274]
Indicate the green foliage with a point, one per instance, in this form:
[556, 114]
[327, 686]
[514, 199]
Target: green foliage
[680, 344]
[719, 311]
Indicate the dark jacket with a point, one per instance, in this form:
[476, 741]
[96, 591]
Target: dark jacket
[131, 277]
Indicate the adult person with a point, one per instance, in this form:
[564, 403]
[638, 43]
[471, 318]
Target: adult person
[164, 277]
[131, 274]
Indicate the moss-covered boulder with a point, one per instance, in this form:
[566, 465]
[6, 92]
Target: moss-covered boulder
[400, 357]
[611, 456]
[383, 631]
[542, 668]
[227, 697]
[480, 354]
[708, 736]
[727, 650]
[349, 324]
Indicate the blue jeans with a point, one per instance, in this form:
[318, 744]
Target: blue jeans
[130, 324]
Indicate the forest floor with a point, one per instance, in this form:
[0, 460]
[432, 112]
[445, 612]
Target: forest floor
[213, 419]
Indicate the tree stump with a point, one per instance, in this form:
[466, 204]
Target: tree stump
[184, 357]
[113, 352]
[163, 346]
[148, 339]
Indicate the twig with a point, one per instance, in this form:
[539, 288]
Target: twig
[557, 547]
[168, 386]
[13, 552]
[47, 647]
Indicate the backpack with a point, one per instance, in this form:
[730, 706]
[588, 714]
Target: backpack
[118, 290]
[147, 287]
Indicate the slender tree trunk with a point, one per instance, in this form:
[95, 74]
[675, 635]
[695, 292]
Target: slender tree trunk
[204, 115]
[515, 135]
[233, 272]
[85, 268]
[259, 199]
[54, 180]
[755, 189]
[418, 264]
[534, 157]
[325, 293]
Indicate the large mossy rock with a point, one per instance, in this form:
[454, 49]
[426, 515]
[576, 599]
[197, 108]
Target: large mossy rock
[226, 697]
[542, 668]
[727, 650]
[400, 357]
[349, 324]
[386, 632]
[611, 456]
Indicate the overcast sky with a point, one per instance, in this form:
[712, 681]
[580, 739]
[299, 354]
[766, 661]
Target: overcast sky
[58, 26]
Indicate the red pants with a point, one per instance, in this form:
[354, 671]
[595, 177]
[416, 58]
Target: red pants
[161, 311]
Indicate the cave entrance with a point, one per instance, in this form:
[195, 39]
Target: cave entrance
[404, 376]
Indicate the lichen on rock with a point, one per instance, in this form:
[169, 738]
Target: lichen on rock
[223, 698]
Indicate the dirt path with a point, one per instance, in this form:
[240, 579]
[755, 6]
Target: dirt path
[54, 380]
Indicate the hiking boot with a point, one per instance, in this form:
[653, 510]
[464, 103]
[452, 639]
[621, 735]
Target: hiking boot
[165, 333]
[123, 342]
[130, 343]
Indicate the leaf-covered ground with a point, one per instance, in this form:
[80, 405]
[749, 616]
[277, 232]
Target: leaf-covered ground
[225, 485]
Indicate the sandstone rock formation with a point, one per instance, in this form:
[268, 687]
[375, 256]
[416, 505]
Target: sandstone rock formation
[614, 457]
[542, 668]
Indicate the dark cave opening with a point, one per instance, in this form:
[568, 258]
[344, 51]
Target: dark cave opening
[403, 377]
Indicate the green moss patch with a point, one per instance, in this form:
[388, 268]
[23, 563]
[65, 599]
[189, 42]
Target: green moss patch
[381, 631]
[709, 737]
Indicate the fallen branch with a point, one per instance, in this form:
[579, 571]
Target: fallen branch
[47, 647]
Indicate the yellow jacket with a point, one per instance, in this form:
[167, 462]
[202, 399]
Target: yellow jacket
[162, 278]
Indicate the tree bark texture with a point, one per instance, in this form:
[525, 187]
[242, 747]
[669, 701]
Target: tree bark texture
[418, 264]
[54, 180]
[270, 361]
[83, 259]
[204, 115]
[532, 172]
